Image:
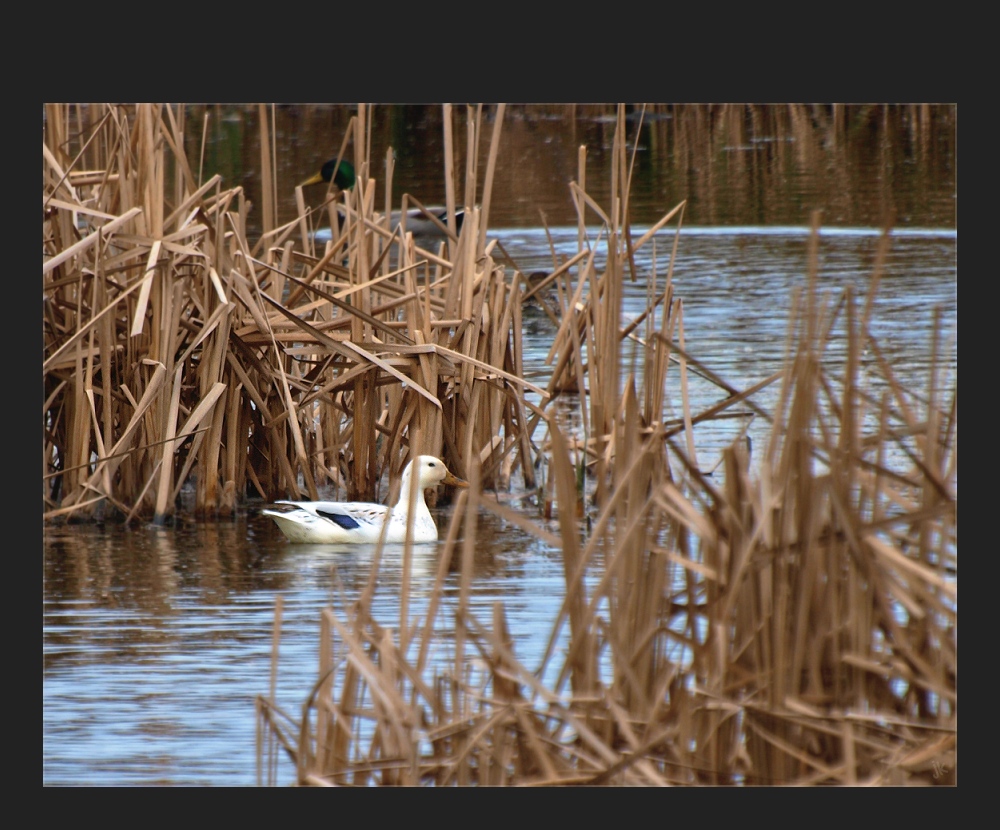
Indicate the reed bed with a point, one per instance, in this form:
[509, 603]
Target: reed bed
[792, 622]
[180, 357]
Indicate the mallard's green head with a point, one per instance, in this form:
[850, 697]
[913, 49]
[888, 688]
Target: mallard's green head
[344, 179]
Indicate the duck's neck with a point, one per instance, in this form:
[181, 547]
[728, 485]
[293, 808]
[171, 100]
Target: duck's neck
[405, 495]
[402, 514]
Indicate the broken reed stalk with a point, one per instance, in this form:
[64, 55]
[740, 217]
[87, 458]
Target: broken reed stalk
[792, 625]
[178, 351]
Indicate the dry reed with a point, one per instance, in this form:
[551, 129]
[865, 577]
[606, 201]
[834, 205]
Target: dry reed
[177, 352]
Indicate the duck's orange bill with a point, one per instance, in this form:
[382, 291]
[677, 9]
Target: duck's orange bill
[454, 481]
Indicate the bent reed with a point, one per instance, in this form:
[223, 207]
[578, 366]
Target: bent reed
[792, 621]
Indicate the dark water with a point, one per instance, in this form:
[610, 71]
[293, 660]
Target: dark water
[157, 639]
[734, 164]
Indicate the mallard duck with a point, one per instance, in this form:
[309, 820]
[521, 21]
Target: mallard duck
[419, 221]
[361, 522]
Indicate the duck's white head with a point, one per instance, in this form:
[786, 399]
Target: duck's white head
[430, 472]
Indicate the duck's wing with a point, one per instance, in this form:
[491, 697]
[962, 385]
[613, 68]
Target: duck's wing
[418, 222]
[350, 515]
[428, 221]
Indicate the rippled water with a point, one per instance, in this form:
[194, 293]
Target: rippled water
[157, 639]
[737, 284]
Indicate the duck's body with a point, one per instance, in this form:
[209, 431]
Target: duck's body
[421, 221]
[361, 522]
[418, 222]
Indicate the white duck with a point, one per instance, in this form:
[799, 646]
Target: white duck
[361, 522]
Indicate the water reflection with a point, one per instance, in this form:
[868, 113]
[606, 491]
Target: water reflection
[735, 164]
